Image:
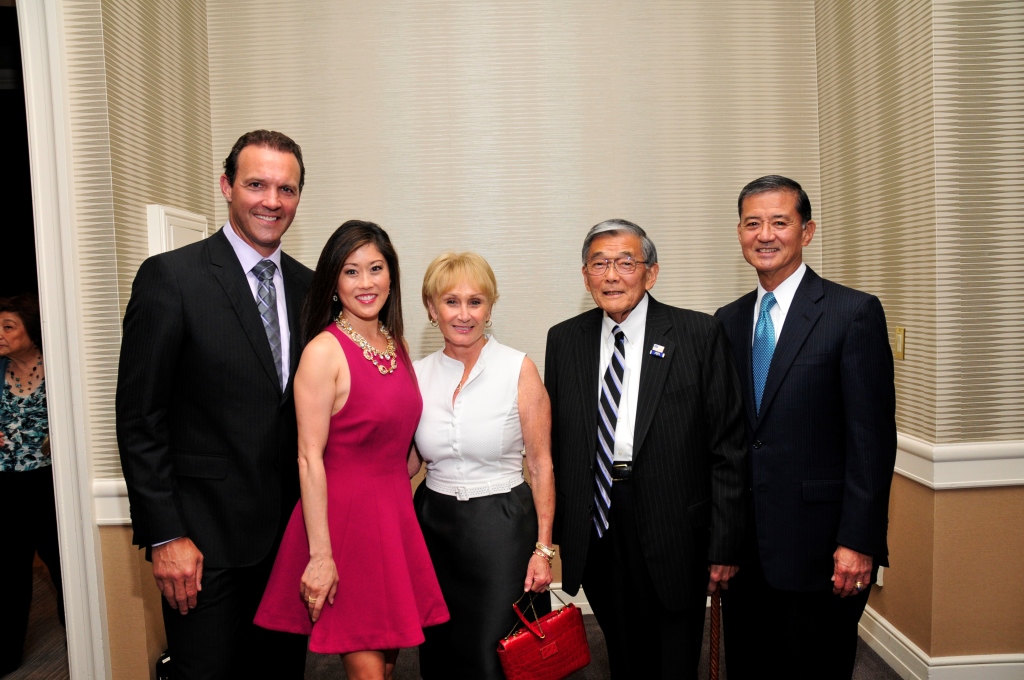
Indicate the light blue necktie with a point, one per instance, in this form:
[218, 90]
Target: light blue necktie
[764, 347]
[266, 303]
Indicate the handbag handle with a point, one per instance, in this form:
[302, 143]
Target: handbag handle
[532, 626]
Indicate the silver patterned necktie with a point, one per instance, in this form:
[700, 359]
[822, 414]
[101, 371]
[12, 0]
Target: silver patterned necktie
[607, 417]
[266, 303]
[764, 347]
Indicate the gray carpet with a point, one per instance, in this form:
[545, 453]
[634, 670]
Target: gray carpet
[46, 649]
[869, 665]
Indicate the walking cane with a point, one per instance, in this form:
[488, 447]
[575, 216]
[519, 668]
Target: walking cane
[716, 632]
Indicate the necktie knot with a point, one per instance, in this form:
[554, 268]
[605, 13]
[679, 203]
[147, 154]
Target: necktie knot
[767, 302]
[264, 270]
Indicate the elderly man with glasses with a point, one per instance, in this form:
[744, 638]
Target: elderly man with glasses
[649, 456]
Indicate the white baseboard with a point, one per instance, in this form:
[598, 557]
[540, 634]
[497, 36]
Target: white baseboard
[580, 599]
[911, 663]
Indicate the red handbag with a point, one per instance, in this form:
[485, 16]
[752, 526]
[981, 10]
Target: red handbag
[549, 648]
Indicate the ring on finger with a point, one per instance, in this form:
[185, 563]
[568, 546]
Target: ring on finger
[859, 585]
[312, 600]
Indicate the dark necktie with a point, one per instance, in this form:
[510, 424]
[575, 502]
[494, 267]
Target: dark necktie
[266, 303]
[764, 347]
[607, 417]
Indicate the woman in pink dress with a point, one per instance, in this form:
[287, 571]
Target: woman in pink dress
[353, 571]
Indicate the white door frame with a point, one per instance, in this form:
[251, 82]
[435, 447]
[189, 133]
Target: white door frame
[40, 24]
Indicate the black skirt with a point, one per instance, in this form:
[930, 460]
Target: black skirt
[481, 549]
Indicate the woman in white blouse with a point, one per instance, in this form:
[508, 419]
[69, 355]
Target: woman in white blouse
[488, 532]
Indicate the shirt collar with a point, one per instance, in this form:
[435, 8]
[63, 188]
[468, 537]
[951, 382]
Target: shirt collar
[632, 327]
[785, 291]
[246, 254]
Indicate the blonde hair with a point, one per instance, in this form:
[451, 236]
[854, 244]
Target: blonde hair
[450, 269]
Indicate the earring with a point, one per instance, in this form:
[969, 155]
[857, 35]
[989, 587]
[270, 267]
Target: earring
[335, 297]
[487, 324]
[433, 322]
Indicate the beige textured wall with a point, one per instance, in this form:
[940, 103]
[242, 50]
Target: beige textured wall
[921, 106]
[877, 175]
[141, 133]
[511, 128]
[134, 624]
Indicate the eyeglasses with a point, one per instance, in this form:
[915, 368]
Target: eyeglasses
[623, 265]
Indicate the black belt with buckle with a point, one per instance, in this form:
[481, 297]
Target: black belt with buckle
[622, 471]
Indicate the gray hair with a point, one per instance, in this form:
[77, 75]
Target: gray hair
[778, 183]
[613, 227]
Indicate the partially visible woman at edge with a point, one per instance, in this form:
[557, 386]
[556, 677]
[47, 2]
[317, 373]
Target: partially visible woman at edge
[489, 534]
[353, 572]
[26, 478]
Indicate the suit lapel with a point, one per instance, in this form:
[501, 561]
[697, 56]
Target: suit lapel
[294, 298]
[744, 321]
[653, 371]
[588, 359]
[803, 314]
[226, 269]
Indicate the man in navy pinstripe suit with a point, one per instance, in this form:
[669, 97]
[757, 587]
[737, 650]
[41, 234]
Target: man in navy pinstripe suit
[664, 523]
[817, 376]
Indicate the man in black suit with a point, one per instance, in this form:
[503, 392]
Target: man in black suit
[817, 377]
[206, 421]
[647, 444]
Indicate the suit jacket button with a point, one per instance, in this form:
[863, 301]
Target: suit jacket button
[757, 444]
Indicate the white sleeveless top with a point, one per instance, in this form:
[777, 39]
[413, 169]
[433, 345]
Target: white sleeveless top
[474, 447]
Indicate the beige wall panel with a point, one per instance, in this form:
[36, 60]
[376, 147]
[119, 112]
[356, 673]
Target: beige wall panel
[140, 124]
[128, 626]
[93, 207]
[979, 168]
[877, 175]
[511, 128]
[979, 595]
[906, 598]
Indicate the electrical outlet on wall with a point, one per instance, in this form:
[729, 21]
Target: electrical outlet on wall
[901, 341]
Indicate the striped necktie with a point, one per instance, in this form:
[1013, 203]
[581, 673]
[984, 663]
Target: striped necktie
[266, 303]
[607, 417]
[764, 347]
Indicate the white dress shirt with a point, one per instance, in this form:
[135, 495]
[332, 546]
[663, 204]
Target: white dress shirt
[474, 446]
[634, 328]
[784, 294]
[249, 258]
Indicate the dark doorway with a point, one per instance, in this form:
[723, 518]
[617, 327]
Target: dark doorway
[19, 268]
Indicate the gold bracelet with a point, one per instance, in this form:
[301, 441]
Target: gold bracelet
[545, 551]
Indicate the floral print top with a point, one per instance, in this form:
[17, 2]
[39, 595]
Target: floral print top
[23, 428]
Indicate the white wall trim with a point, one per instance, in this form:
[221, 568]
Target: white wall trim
[960, 466]
[910, 661]
[40, 24]
[111, 502]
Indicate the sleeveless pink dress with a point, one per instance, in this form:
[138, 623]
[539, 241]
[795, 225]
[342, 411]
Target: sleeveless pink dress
[387, 590]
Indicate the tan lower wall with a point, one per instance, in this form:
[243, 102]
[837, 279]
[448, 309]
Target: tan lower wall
[906, 598]
[978, 602]
[134, 622]
[953, 587]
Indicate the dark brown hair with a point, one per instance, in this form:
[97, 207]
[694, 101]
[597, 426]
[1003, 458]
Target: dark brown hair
[267, 139]
[320, 308]
[26, 306]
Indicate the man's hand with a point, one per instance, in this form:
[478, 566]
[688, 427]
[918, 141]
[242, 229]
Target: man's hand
[178, 570]
[851, 568]
[720, 575]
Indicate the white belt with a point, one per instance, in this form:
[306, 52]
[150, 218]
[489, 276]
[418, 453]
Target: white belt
[464, 493]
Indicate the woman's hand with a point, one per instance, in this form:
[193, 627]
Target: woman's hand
[319, 584]
[538, 574]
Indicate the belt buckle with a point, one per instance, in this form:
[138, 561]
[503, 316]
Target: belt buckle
[461, 493]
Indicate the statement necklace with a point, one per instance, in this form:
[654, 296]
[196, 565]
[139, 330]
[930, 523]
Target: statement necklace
[385, 361]
[32, 376]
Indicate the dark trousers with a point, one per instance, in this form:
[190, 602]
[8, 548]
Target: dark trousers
[770, 632]
[218, 640]
[645, 640]
[29, 526]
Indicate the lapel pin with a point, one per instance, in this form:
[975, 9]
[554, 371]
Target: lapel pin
[658, 351]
